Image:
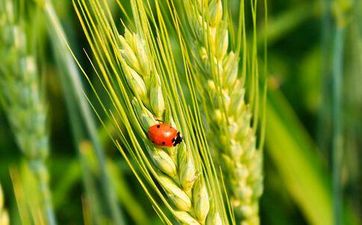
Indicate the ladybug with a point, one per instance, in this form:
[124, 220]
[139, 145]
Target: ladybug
[164, 135]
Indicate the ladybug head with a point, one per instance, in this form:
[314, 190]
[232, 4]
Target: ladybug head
[177, 140]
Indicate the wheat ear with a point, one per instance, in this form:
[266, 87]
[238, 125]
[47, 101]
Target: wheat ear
[133, 73]
[23, 101]
[177, 173]
[230, 116]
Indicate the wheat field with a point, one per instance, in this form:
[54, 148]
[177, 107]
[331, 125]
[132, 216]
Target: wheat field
[190, 112]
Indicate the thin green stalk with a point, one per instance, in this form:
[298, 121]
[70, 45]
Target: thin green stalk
[352, 106]
[340, 9]
[337, 151]
[77, 101]
[324, 117]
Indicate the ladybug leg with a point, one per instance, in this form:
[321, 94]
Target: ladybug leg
[158, 120]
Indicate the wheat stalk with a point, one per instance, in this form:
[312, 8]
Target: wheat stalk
[230, 116]
[130, 70]
[22, 99]
[4, 217]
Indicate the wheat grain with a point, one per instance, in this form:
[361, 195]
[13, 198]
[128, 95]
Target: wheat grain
[230, 114]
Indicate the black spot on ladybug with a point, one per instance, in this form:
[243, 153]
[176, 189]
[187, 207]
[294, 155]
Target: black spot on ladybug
[158, 126]
[163, 143]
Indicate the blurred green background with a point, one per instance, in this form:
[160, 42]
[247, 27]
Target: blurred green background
[302, 37]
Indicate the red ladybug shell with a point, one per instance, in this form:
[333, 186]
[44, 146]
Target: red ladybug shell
[164, 135]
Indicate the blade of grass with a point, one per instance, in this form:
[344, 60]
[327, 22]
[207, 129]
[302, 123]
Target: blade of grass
[20, 199]
[294, 159]
[28, 196]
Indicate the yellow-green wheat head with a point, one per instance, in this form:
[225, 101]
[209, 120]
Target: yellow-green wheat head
[171, 62]
[227, 67]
